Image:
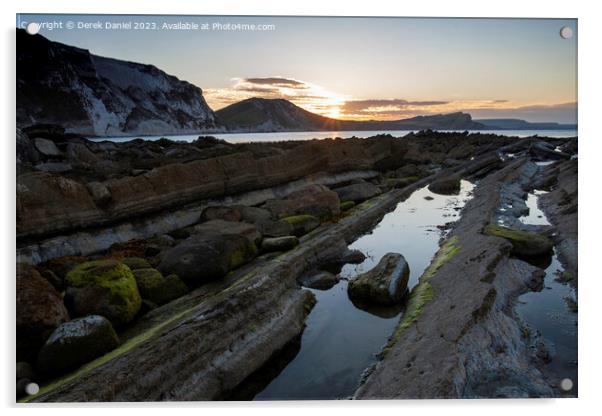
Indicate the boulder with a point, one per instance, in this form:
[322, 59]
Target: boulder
[302, 224]
[446, 185]
[279, 243]
[278, 228]
[524, 243]
[384, 285]
[316, 200]
[243, 229]
[227, 213]
[205, 257]
[321, 280]
[262, 219]
[158, 289]
[77, 342]
[46, 147]
[254, 215]
[103, 287]
[40, 310]
[357, 192]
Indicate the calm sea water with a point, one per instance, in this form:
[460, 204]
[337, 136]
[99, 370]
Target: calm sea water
[309, 135]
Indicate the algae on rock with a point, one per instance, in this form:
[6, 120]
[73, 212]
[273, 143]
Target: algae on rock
[524, 243]
[120, 300]
[423, 292]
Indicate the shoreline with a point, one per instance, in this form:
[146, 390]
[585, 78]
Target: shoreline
[223, 348]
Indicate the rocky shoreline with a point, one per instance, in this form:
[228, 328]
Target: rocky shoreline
[227, 231]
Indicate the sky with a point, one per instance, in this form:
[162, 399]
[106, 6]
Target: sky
[352, 68]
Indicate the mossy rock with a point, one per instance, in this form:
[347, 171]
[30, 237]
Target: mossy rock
[104, 287]
[158, 289]
[385, 284]
[136, 263]
[207, 257]
[347, 205]
[302, 224]
[524, 243]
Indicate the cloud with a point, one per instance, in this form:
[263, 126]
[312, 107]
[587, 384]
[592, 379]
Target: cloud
[277, 81]
[561, 113]
[320, 100]
[371, 105]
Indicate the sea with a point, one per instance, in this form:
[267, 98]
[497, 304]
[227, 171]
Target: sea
[310, 135]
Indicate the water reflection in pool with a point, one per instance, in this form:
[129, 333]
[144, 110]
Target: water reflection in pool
[549, 310]
[340, 340]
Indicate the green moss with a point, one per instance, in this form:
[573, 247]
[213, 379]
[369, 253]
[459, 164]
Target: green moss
[238, 257]
[566, 277]
[347, 205]
[302, 224]
[505, 232]
[149, 282]
[112, 275]
[158, 289]
[423, 292]
[523, 242]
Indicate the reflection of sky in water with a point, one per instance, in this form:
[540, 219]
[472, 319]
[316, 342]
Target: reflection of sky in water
[547, 310]
[535, 216]
[340, 340]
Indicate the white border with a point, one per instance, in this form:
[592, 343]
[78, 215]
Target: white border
[590, 144]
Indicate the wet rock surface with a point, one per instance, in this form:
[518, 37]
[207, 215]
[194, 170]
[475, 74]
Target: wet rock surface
[384, 285]
[321, 280]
